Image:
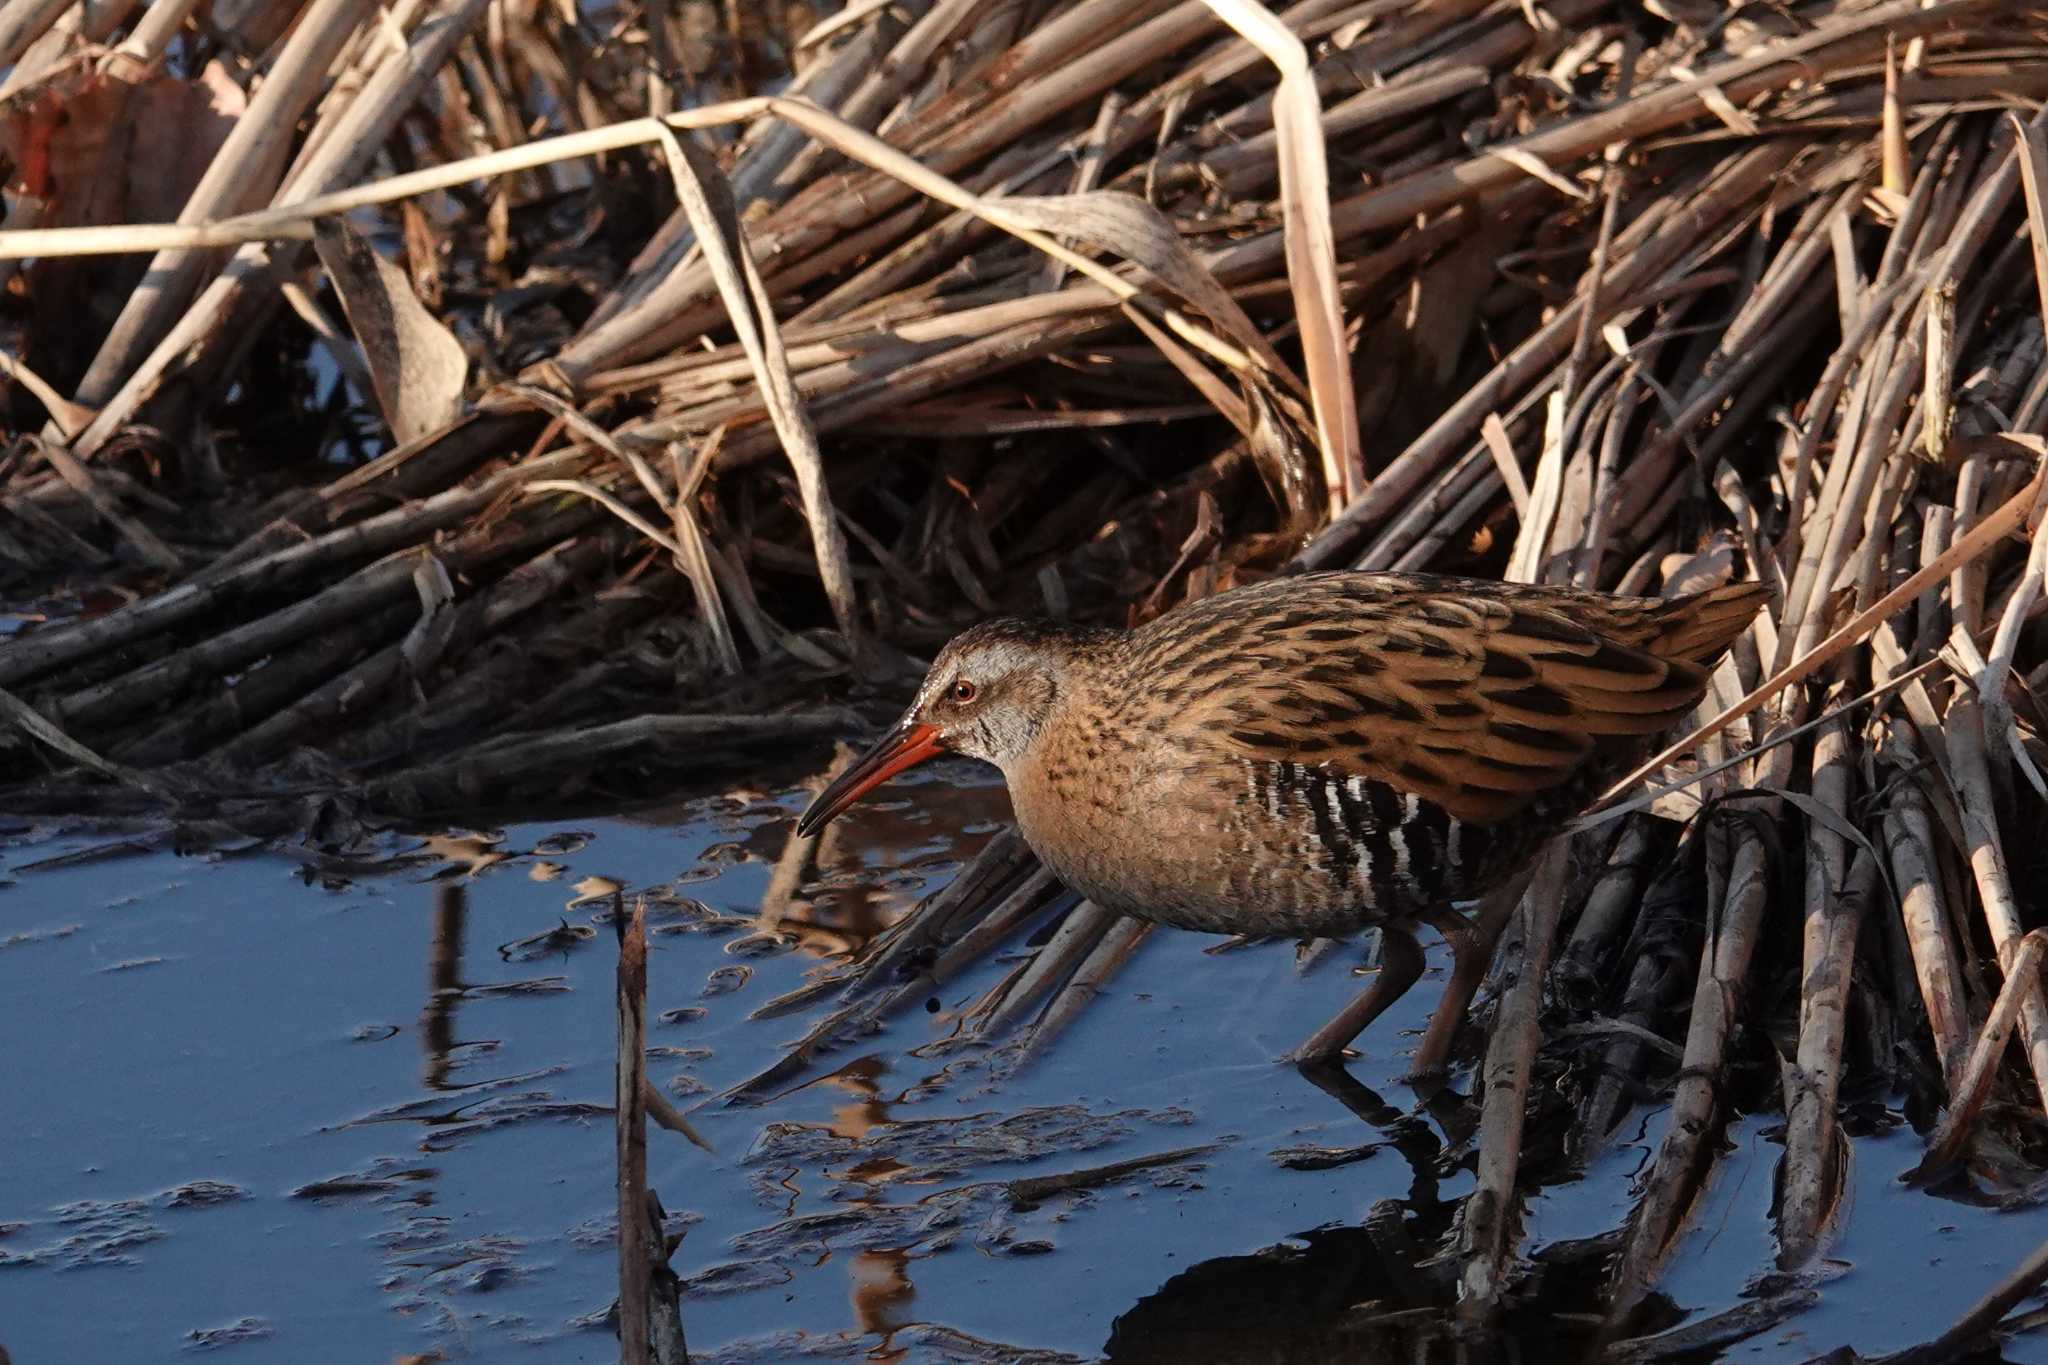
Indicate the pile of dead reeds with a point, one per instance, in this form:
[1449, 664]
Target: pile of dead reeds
[1087, 308]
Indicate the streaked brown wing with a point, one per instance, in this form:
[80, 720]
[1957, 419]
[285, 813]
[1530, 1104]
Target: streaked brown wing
[1479, 698]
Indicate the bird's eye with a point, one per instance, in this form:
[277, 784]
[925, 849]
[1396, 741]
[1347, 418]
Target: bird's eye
[964, 690]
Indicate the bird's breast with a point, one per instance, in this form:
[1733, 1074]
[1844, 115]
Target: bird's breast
[1185, 840]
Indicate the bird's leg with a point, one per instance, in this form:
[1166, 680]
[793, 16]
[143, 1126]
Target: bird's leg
[1472, 943]
[1400, 965]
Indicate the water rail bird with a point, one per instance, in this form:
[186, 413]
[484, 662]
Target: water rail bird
[1313, 755]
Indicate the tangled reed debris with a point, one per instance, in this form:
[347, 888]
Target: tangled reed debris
[1045, 306]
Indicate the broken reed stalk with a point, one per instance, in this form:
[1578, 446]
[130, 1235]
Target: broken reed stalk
[444, 980]
[1965, 735]
[33, 723]
[636, 1267]
[1616, 898]
[1738, 894]
[1032, 1190]
[1086, 925]
[1109, 955]
[1929, 920]
[295, 221]
[1610, 907]
[1003, 877]
[1310, 244]
[1909, 837]
[1727, 1328]
[650, 1314]
[1838, 899]
[2022, 983]
[1491, 1217]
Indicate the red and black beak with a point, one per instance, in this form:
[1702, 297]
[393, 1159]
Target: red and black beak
[907, 744]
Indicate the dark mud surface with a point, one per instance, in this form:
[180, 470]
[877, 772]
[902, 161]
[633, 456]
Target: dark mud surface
[294, 1113]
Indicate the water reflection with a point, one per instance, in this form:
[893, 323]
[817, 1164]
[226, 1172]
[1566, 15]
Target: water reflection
[865, 1118]
[1034, 1202]
[882, 1295]
[1410, 1134]
[831, 894]
[444, 984]
[859, 1078]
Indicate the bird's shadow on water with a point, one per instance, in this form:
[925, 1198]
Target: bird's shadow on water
[1380, 1289]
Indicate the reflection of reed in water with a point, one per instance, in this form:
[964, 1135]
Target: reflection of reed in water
[860, 1078]
[823, 896]
[444, 983]
[882, 1293]
[882, 1290]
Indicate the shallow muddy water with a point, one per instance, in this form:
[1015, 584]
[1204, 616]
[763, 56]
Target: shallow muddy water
[299, 1114]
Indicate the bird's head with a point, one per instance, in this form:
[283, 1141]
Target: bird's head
[987, 695]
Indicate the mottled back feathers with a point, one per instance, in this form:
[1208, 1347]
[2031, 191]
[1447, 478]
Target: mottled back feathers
[1475, 695]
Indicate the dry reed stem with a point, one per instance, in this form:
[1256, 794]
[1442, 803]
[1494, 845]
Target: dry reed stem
[1727, 1328]
[1838, 897]
[1030, 897]
[1490, 1215]
[34, 724]
[1002, 883]
[1086, 925]
[146, 542]
[1609, 907]
[67, 417]
[1738, 898]
[1978, 542]
[1966, 1100]
[688, 546]
[630, 1115]
[1965, 735]
[1909, 839]
[668, 1116]
[873, 152]
[1109, 955]
[753, 318]
[294, 221]
[1311, 244]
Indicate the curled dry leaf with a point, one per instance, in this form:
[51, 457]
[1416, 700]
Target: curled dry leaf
[416, 364]
[1141, 234]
